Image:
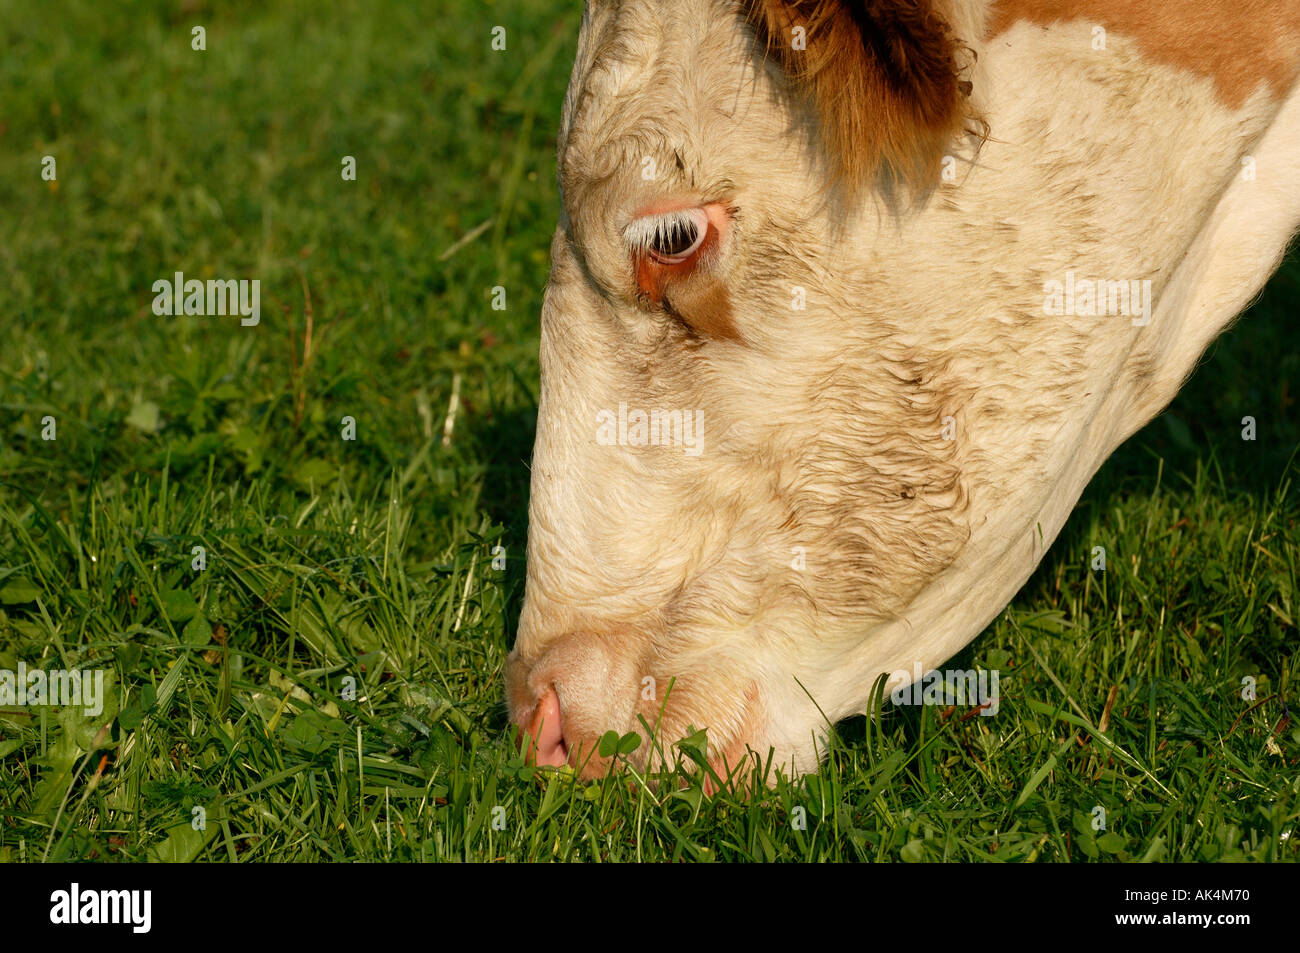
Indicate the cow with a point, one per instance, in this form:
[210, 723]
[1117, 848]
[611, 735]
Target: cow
[849, 299]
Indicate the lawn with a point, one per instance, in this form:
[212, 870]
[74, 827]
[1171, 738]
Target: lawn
[295, 549]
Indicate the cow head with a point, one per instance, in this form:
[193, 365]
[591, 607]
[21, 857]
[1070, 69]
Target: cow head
[740, 464]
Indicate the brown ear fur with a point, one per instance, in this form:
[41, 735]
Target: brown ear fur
[883, 77]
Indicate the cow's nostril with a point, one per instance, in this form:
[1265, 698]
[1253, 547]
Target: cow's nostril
[545, 741]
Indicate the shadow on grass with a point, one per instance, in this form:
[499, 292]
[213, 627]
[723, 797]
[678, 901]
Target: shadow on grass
[506, 445]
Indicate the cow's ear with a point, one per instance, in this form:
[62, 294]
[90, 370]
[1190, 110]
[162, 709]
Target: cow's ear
[882, 76]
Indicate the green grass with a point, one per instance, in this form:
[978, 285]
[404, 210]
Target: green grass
[371, 559]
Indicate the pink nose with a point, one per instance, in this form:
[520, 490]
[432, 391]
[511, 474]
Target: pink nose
[545, 739]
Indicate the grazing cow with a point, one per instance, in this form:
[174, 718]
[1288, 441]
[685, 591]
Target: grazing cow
[849, 300]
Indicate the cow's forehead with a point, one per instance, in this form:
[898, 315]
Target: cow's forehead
[662, 108]
[889, 90]
[646, 62]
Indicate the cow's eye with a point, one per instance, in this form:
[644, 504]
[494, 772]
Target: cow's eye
[677, 239]
[669, 238]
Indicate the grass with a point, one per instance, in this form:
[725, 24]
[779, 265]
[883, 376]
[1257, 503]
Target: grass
[329, 685]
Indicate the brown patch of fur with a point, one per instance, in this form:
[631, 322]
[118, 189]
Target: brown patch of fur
[883, 77]
[1237, 43]
[704, 305]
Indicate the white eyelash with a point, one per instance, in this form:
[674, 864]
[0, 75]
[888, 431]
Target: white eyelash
[648, 231]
